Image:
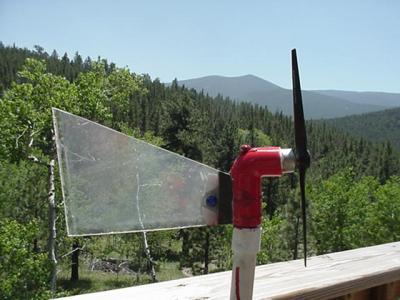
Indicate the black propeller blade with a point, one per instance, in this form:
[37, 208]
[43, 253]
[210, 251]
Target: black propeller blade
[302, 155]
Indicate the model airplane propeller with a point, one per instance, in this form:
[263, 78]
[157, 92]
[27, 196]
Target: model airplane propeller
[301, 152]
[113, 183]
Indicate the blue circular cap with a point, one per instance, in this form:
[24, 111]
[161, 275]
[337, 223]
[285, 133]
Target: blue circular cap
[212, 201]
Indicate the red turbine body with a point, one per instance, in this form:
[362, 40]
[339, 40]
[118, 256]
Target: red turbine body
[249, 167]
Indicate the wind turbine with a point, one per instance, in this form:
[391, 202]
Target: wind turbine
[114, 183]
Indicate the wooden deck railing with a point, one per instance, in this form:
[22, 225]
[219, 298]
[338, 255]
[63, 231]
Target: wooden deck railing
[365, 273]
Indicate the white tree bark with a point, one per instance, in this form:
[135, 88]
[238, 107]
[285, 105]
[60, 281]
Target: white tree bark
[52, 225]
[145, 243]
[51, 243]
[149, 258]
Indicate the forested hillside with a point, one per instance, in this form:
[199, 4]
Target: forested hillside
[378, 126]
[353, 190]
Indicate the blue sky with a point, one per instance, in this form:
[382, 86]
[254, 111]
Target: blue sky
[348, 45]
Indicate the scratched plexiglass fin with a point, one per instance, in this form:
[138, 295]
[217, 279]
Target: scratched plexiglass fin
[114, 183]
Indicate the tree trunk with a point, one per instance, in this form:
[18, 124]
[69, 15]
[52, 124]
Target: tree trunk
[206, 252]
[35, 241]
[296, 238]
[184, 258]
[35, 246]
[270, 201]
[52, 225]
[75, 261]
[149, 258]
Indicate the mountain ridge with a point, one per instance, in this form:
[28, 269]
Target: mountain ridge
[250, 88]
[366, 97]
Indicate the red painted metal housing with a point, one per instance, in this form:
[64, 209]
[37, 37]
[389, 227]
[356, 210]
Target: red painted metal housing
[249, 167]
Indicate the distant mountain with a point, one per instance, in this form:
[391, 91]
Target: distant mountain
[375, 98]
[253, 89]
[232, 87]
[377, 126]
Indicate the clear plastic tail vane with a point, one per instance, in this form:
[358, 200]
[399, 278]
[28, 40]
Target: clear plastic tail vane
[113, 183]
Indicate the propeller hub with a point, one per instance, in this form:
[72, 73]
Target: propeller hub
[303, 160]
[288, 159]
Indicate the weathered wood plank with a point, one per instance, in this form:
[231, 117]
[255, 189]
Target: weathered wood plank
[390, 291]
[326, 277]
[396, 289]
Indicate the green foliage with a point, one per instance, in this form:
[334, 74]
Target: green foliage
[358, 212]
[181, 126]
[206, 249]
[273, 247]
[384, 216]
[23, 272]
[148, 136]
[329, 204]
[96, 281]
[92, 102]
[25, 122]
[23, 196]
[347, 213]
[121, 87]
[255, 137]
